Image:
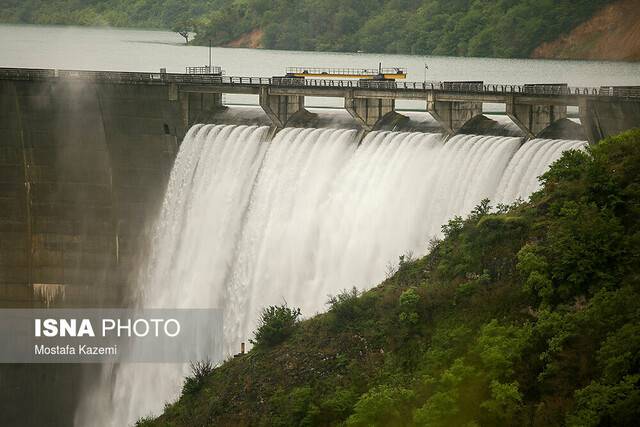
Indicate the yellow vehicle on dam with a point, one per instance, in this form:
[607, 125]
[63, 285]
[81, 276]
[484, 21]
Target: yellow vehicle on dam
[368, 77]
[393, 73]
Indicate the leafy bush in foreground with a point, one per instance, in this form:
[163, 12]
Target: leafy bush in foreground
[276, 323]
[200, 370]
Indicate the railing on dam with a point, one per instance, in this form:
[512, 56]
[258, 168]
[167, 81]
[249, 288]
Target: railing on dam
[200, 79]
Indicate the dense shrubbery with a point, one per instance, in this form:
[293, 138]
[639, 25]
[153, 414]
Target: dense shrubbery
[498, 28]
[344, 306]
[528, 315]
[275, 325]
[200, 370]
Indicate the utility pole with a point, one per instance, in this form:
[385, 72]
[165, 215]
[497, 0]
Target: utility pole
[210, 69]
[426, 67]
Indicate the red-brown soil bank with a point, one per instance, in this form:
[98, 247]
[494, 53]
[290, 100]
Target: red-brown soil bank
[611, 34]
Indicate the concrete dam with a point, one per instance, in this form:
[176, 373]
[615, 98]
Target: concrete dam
[111, 185]
[86, 156]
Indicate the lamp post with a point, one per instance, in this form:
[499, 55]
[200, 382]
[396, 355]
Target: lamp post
[210, 69]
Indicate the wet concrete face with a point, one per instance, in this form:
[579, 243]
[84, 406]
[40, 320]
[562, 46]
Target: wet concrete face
[564, 129]
[83, 171]
[602, 118]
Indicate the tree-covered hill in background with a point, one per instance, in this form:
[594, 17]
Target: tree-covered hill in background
[160, 14]
[527, 315]
[495, 28]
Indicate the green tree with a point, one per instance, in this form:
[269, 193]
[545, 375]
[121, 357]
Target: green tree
[383, 405]
[276, 323]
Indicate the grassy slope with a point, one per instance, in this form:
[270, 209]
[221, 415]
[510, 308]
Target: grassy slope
[525, 316]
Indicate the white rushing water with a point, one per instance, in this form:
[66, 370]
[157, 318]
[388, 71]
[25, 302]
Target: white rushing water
[248, 223]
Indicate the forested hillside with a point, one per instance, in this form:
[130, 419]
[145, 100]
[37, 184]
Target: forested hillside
[497, 28]
[161, 14]
[526, 315]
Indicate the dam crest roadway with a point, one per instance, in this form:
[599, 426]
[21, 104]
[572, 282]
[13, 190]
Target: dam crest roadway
[603, 111]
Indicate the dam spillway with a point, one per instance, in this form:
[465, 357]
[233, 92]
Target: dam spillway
[248, 221]
[85, 160]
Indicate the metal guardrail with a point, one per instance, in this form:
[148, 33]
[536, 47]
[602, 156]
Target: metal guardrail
[204, 70]
[377, 84]
[471, 87]
[547, 88]
[622, 91]
[288, 81]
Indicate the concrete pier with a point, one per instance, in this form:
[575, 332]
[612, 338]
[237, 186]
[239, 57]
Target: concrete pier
[452, 115]
[281, 108]
[534, 119]
[369, 111]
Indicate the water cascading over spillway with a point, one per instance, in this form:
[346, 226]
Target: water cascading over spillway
[248, 223]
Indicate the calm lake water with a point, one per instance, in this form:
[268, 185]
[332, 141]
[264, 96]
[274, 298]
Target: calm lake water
[86, 48]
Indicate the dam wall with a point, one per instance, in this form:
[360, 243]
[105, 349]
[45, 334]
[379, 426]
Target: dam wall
[85, 158]
[536, 108]
[601, 119]
[84, 167]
